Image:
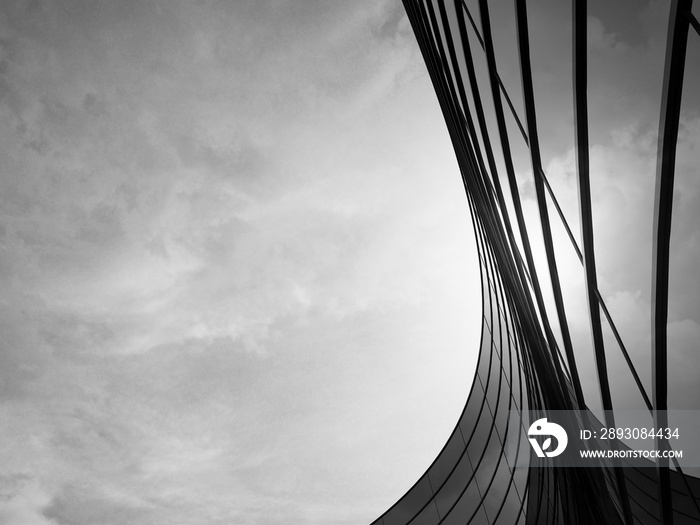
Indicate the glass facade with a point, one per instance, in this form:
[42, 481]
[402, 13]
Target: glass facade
[525, 362]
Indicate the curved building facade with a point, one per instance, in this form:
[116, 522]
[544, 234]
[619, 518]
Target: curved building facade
[526, 362]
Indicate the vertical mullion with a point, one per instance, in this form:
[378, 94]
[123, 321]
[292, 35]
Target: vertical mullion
[663, 208]
[536, 160]
[515, 194]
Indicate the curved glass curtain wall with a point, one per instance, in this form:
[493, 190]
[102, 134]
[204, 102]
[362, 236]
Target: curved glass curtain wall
[521, 365]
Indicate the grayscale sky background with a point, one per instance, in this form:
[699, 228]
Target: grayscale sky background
[237, 272]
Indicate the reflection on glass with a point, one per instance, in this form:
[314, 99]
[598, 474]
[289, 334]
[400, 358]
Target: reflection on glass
[411, 504]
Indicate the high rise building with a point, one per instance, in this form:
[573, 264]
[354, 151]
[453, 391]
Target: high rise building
[526, 360]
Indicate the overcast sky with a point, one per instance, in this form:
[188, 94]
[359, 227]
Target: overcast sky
[237, 272]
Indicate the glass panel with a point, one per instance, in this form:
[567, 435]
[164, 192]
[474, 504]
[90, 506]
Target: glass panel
[682, 519]
[516, 441]
[520, 480]
[684, 504]
[446, 461]
[503, 407]
[455, 485]
[485, 465]
[485, 352]
[641, 515]
[475, 436]
[496, 384]
[647, 503]
[428, 516]
[465, 507]
[479, 518]
[488, 307]
[410, 504]
[639, 478]
[511, 508]
[496, 494]
[677, 483]
[471, 411]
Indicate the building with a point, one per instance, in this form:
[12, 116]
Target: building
[525, 363]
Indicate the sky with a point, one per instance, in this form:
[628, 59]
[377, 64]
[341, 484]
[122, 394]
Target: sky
[238, 276]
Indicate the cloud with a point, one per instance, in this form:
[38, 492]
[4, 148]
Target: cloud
[22, 501]
[228, 253]
[623, 172]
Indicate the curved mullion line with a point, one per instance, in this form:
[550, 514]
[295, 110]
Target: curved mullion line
[645, 493]
[534, 386]
[693, 21]
[567, 496]
[520, 322]
[477, 100]
[511, 307]
[570, 234]
[471, 130]
[488, 439]
[482, 206]
[522, 270]
[672, 91]
[535, 503]
[437, 66]
[460, 87]
[687, 485]
[484, 400]
[511, 350]
[566, 226]
[471, 134]
[501, 320]
[495, 471]
[464, 139]
[654, 517]
[457, 426]
[561, 214]
[481, 409]
[489, 272]
[599, 296]
[494, 414]
[551, 484]
[483, 127]
[444, 60]
[534, 392]
[481, 239]
[474, 468]
[555, 500]
[523, 328]
[515, 194]
[536, 160]
[465, 441]
[471, 138]
[565, 222]
[522, 505]
[474, 85]
[533, 396]
[500, 83]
